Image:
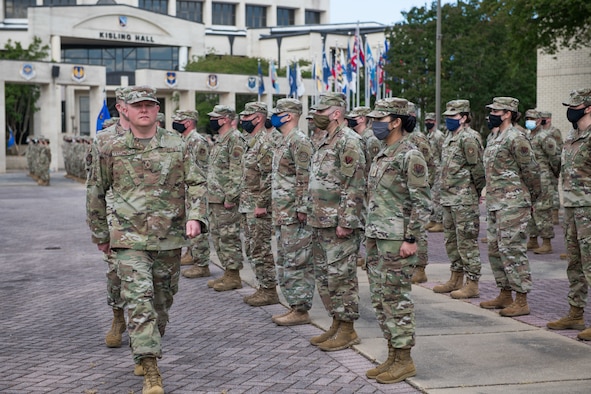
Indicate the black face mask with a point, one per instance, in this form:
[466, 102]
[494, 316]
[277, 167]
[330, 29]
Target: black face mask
[494, 121]
[352, 123]
[179, 127]
[247, 126]
[543, 122]
[574, 115]
[268, 124]
[429, 125]
[214, 125]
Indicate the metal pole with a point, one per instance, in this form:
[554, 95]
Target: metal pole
[438, 66]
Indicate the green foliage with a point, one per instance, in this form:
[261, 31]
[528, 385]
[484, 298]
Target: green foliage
[238, 65]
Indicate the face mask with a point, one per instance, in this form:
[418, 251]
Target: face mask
[321, 121]
[179, 127]
[429, 125]
[494, 121]
[268, 124]
[530, 124]
[352, 123]
[452, 124]
[381, 130]
[215, 126]
[574, 115]
[277, 121]
[248, 126]
[543, 122]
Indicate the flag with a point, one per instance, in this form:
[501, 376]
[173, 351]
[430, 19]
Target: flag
[349, 70]
[318, 76]
[383, 61]
[293, 80]
[103, 115]
[325, 70]
[300, 89]
[261, 80]
[273, 75]
[10, 143]
[340, 85]
[371, 70]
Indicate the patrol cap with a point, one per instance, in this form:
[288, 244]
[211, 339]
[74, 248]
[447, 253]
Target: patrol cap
[455, 107]
[357, 112]
[430, 116]
[506, 103]
[180, 115]
[288, 105]
[220, 111]
[578, 97]
[532, 114]
[329, 100]
[545, 114]
[254, 107]
[411, 107]
[121, 92]
[135, 94]
[390, 106]
[310, 114]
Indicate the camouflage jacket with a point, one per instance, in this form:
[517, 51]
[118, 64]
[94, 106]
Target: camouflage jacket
[224, 175]
[546, 152]
[148, 186]
[337, 181]
[576, 169]
[257, 168]
[462, 171]
[436, 138]
[512, 173]
[557, 135]
[422, 143]
[398, 193]
[373, 146]
[291, 164]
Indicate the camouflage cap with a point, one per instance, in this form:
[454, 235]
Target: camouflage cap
[110, 122]
[507, 103]
[411, 107]
[220, 111]
[430, 116]
[545, 114]
[331, 100]
[121, 92]
[390, 106]
[358, 111]
[288, 105]
[254, 107]
[455, 107]
[135, 94]
[532, 114]
[311, 114]
[578, 97]
[180, 115]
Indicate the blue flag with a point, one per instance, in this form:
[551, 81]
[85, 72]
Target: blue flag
[10, 143]
[261, 81]
[103, 115]
[325, 70]
[293, 81]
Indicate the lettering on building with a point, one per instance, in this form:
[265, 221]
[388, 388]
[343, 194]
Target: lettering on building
[108, 35]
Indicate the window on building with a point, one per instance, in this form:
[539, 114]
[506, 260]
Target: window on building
[285, 16]
[256, 16]
[59, 2]
[191, 10]
[17, 9]
[312, 17]
[159, 6]
[223, 14]
[84, 104]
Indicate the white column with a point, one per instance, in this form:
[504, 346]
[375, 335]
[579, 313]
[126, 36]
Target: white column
[56, 48]
[240, 16]
[207, 13]
[272, 15]
[50, 125]
[183, 57]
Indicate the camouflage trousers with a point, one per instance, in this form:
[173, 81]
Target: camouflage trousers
[295, 270]
[113, 283]
[422, 249]
[389, 285]
[200, 250]
[461, 224]
[149, 280]
[555, 195]
[224, 227]
[577, 228]
[540, 224]
[335, 270]
[437, 210]
[258, 234]
[507, 248]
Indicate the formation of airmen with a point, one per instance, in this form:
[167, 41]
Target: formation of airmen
[359, 188]
[38, 157]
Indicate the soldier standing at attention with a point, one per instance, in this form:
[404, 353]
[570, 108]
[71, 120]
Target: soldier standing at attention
[546, 124]
[147, 168]
[512, 185]
[224, 179]
[336, 214]
[291, 163]
[462, 181]
[399, 205]
[43, 162]
[576, 186]
[435, 137]
[255, 201]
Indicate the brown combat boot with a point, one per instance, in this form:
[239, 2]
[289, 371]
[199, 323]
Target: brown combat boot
[429, 225]
[361, 263]
[519, 307]
[585, 335]
[187, 258]
[152, 378]
[484, 240]
[317, 340]
[532, 243]
[402, 368]
[197, 271]
[263, 297]
[455, 282]
[555, 219]
[118, 327]
[138, 370]
[293, 318]
[437, 228]
[470, 290]
[213, 282]
[563, 256]
[344, 338]
[503, 300]
[418, 276]
[546, 247]
[374, 372]
[573, 321]
[231, 281]
[275, 317]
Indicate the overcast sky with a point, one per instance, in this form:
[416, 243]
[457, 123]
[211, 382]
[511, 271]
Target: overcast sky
[387, 12]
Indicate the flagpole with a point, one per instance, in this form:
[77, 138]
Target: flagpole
[260, 77]
[366, 90]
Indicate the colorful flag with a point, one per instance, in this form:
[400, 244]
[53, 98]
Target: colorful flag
[10, 143]
[325, 70]
[340, 83]
[261, 80]
[349, 70]
[103, 115]
[371, 70]
[293, 80]
[318, 76]
[300, 89]
[273, 75]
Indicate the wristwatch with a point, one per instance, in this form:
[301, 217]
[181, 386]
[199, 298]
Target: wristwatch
[410, 240]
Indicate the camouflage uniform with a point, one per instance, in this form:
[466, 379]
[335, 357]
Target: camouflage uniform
[43, 162]
[148, 220]
[557, 135]
[336, 196]
[291, 162]
[224, 180]
[436, 138]
[399, 205]
[511, 178]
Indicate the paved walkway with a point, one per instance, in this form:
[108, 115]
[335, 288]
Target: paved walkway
[53, 317]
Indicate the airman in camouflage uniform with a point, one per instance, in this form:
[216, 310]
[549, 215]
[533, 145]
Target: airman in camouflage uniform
[512, 185]
[546, 124]
[436, 138]
[548, 158]
[399, 205]
[255, 201]
[335, 212]
[224, 182]
[576, 187]
[291, 163]
[462, 181]
[144, 166]
[43, 161]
